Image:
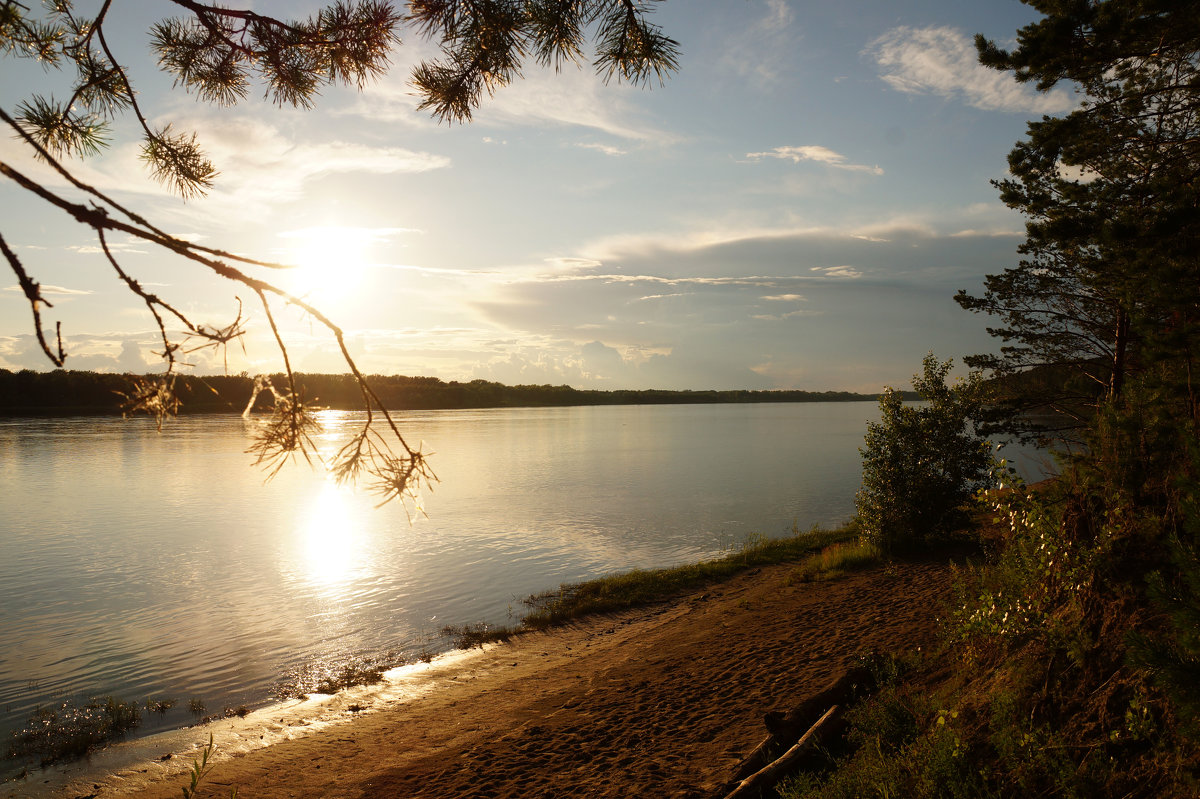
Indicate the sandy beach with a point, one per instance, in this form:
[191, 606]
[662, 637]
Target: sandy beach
[663, 702]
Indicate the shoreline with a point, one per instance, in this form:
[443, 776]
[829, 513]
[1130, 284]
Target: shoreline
[668, 698]
[168, 754]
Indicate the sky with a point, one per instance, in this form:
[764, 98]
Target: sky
[794, 209]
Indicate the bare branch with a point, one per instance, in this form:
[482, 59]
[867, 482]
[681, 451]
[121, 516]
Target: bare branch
[33, 293]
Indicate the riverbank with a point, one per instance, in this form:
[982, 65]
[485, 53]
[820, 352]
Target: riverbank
[663, 701]
[64, 393]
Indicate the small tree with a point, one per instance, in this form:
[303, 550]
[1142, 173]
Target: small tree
[922, 462]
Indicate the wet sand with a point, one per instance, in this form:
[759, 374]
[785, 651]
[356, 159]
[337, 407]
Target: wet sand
[662, 702]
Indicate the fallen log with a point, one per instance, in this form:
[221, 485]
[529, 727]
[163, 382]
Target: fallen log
[786, 728]
[770, 774]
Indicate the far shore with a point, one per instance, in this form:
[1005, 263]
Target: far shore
[61, 393]
[661, 701]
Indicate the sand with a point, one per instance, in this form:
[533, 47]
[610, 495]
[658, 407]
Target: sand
[662, 702]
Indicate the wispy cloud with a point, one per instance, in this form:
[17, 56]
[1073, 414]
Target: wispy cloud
[607, 149]
[753, 280]
[251, 152]
[571, 97]
[576, 98]
[943, 61]
[817, 153]
[766, 317]
[371, 234]
[95, 249]
[759, 52]
[837, 271]
[784, 297]
[59, 291]
[260, 167]
[567, 263]
[263, 167]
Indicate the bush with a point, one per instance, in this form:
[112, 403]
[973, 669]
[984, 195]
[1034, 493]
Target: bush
[922, 462]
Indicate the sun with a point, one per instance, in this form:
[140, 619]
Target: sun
[329, 263]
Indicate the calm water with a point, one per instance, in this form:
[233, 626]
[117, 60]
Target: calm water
[148, 565]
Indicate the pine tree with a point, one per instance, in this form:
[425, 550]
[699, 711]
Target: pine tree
[1109, 286]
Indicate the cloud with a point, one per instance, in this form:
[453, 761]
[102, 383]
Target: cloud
[607, 149]
[975, 233]
[260, 167]
[106, 352]
[782, 316]
[837, 271]
[817, 153]
[761, 51]
[601, 362]
[528, 366]
[663, 296]
[825, 251]
[753, 280]
[568, 263]
[570, 97]
[257, 158]
[689, 364]
[575, 98]
[943, 61]
[114, 247]
[379, 234]
[52, 290]
[793, 304]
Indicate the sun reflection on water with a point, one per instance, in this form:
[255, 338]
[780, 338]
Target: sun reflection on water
[331, 539]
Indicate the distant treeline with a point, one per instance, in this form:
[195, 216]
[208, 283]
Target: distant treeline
[64, 392]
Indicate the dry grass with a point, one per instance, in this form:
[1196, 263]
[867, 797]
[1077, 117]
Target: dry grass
[836, 560]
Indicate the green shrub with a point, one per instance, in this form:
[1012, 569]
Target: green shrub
[921, 463]
[1041, 585]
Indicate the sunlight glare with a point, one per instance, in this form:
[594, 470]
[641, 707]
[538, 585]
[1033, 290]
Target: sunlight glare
[332, 542]
[330, 262]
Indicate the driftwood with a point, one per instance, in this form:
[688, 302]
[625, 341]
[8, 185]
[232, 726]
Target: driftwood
[786, 728]
[769, 774]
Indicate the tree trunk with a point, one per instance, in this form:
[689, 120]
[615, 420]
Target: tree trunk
[1116, 381]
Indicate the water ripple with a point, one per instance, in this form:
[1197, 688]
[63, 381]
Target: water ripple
[143, 564]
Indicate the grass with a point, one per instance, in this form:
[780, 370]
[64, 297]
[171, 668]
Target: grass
[329, 678]
[71, 730]
[350, 675]
[642, 587]
[200, 769]
[835, 561]
[467, 636]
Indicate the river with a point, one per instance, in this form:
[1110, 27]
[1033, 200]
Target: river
[160, 565]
